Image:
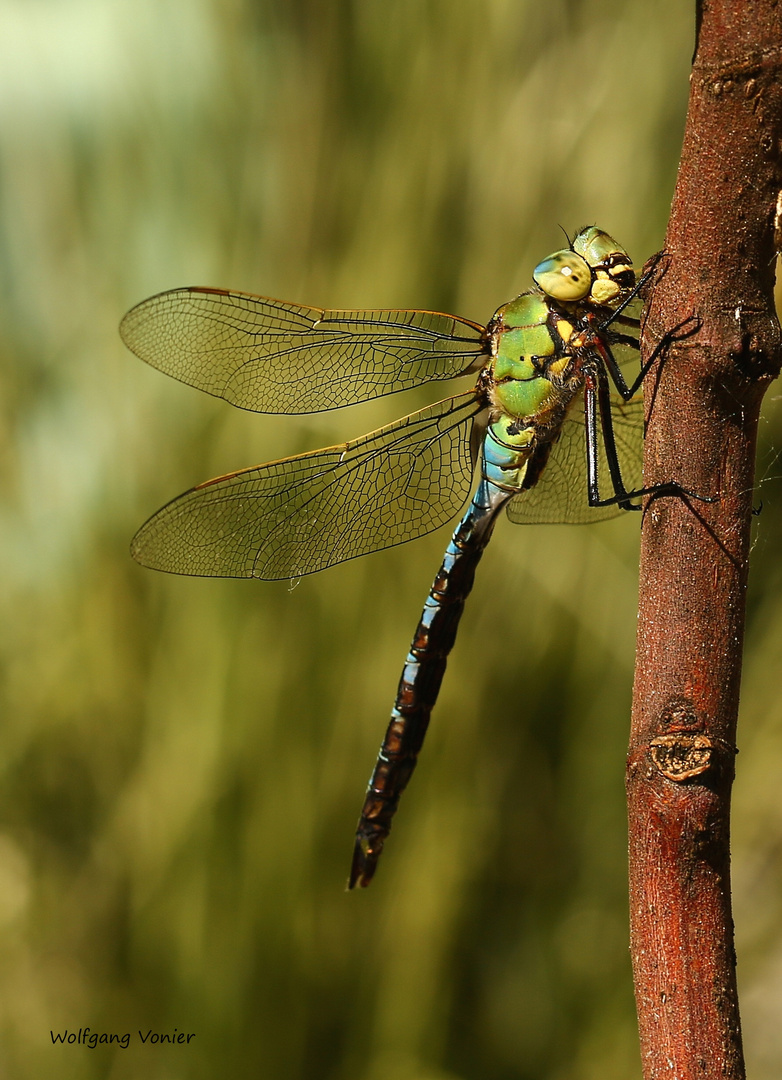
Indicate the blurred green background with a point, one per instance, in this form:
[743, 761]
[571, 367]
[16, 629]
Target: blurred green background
[183, 761]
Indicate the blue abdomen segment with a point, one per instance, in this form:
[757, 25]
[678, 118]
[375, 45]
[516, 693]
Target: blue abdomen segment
[503, 467]
[507, 446]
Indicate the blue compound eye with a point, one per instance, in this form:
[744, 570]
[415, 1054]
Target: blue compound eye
[564, 276]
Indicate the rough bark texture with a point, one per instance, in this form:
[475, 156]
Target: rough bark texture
[702, 401]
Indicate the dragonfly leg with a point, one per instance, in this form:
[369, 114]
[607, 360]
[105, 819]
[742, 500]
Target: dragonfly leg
[686, 328]
[668, 487]
[597, 399]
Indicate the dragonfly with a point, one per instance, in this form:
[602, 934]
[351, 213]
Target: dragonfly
[549, 412]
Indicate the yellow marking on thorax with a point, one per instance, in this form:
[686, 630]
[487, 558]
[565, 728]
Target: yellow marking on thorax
[564, 329]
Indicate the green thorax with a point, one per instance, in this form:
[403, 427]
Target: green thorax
[532, 360]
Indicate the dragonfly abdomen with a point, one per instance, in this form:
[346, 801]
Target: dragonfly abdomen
[509, 445]
[422, 676]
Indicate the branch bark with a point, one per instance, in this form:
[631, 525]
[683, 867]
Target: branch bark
[702, 401]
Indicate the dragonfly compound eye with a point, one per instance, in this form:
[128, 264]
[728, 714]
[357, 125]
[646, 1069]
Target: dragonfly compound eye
[598, 248]
[564, 276]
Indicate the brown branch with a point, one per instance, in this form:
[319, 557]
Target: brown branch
[703, 401]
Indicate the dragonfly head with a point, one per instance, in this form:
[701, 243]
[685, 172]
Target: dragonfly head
[594, 270]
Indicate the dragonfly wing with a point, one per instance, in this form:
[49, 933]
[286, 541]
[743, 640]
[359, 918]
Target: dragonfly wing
[560, 496]
[274, 357]
[302, 514]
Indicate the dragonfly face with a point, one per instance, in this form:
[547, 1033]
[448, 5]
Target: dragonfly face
[538, 356]
[594, 271]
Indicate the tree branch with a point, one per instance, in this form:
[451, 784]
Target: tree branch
[703, 401]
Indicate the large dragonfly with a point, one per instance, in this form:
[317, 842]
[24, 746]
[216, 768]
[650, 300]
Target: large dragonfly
[544, 366]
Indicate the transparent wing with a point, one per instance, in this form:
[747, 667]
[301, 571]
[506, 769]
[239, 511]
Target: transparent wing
[274, 357]
[302, 514]
[560, 496]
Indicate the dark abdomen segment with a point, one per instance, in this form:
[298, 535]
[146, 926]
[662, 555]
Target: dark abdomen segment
[420, 683]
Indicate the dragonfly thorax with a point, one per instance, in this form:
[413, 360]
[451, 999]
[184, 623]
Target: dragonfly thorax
[535, 366]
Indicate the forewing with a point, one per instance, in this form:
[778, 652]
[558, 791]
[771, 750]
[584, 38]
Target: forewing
[274, 357]
[560, 496]
[302, 514]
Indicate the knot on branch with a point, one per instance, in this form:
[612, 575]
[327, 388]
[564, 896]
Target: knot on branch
[683, 756]
[683, 752]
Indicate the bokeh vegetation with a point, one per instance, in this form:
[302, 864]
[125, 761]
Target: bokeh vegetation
[183, 761]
